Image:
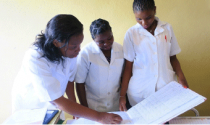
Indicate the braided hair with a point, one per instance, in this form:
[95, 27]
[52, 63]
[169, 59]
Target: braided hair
[99, 26]
[141, 5]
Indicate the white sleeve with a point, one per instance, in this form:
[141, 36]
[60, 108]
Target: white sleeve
[82, 67]
[46, 87]
[128, 48]
[175, 49]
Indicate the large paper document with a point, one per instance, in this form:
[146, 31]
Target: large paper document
[160, 107]
[167, 103]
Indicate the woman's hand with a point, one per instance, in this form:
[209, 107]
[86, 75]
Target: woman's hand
[122, 103]
[109, 118]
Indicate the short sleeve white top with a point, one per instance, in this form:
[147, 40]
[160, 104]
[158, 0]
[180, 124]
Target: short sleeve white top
[151, 59]
[40, 81]
[101, 78]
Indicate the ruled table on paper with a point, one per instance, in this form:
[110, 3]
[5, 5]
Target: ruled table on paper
[165, 104]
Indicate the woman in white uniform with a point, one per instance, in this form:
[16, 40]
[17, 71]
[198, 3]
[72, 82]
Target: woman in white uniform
[48, 71]
[99, 69]
[150, 49]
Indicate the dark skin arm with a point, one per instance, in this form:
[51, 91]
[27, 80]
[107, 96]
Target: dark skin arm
[77, 110]
[81, 94]
[177, 69]
[70, 91]
[127, 73]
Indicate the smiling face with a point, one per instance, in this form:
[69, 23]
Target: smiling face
[104, 40]
[145, 18]
[72, 49]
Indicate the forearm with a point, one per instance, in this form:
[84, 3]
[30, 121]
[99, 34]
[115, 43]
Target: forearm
[126, 77]
[75, 109]
[70, 91]
[81, 93]
[177, 67]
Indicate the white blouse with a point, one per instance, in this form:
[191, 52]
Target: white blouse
[40, 81]
[101, 78]
[151, 59]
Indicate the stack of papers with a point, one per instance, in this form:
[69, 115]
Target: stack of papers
[27, 116]
[160, 107]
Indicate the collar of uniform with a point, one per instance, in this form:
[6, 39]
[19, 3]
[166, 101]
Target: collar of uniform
[158, 29]
[96, 49]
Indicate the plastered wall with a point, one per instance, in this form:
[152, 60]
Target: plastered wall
[22, 20]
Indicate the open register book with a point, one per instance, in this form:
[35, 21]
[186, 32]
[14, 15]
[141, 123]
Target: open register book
[160, 107]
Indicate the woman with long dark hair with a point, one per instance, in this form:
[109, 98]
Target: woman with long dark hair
[48, 71]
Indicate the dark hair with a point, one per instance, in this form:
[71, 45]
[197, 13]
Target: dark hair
[99, 26]
[61, 28]
[141, 5]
